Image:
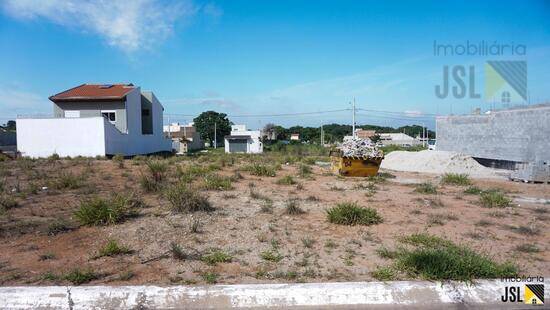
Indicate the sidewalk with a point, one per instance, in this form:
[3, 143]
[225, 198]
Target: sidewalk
[349, 295]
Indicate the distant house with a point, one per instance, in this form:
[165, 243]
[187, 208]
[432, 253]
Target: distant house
[243, 141]
[185, 138]
[400, 139]
[294, 137]
[361, 134]
[96, 119]
[364, 134]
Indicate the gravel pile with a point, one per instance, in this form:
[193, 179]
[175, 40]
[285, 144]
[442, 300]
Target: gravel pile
[438, 162]
[357, 147]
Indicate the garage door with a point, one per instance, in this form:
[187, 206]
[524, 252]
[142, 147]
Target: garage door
[237, 145]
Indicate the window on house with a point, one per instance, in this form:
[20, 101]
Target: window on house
[145, 112]
[109, 115]
[72, 114]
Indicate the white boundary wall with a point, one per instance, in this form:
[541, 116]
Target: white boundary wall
[389, 295]
[62, 136]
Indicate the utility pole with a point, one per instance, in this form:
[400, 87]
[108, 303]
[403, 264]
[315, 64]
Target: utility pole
[353, 119]
[169, 129]
[322, 136]
[215, 137]
[423, 135]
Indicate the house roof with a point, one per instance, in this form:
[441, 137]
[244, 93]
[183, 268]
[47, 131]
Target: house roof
[98, 92]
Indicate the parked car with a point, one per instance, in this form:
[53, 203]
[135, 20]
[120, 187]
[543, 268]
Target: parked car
[431, 145]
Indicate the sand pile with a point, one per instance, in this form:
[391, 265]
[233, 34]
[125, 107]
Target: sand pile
[438, 162]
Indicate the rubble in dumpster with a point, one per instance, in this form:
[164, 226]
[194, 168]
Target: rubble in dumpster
[357, 147]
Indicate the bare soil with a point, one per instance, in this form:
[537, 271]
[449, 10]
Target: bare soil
[313, 249]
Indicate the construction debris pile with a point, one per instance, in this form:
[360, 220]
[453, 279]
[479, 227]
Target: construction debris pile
[357, 147]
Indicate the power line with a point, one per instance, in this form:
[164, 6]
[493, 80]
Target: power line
[395, 112]
[411, 118]
[269, 115]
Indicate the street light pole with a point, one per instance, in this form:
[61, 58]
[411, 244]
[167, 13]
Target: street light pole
[215, 137]
[353, 119]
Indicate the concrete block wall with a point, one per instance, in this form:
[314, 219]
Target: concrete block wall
[518, 135]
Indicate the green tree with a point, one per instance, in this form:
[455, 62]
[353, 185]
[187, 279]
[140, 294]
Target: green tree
[206, 122]
[10, 125]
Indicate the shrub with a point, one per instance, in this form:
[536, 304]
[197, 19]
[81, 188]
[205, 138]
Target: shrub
[210, 277]
[260, 170]
[157, 168]
[255, 195]
[216, 257]
[138, 159]
[304, 170]
[494, 199]
[98, 211]
[78, 276]
[54, 156]
[386, 253]
[112, 248]
[292, 208]
[426, 188]
[308, 242]
[7, 202]
[177, 251]
[3, 157]
[267, 207]
[473, 190]
[58, 226]
[195, 227]
[184, 199]
[286, 180]
[119, 160]
[527, 248]
[149, 184]
[271, 256]
[384, 274]
[46, 256]
[214, 181]
[352, 214]
[67, 180]
[190, 173]
[456, 179]
[434, 258]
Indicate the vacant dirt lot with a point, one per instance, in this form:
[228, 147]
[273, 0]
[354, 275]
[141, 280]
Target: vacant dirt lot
[41, 240]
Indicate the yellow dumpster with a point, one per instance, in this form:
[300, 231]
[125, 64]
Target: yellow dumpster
[355, 166]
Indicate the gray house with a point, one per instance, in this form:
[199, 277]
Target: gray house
[96, 119]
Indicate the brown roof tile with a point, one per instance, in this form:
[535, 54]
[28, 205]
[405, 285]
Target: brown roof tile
[94, 92]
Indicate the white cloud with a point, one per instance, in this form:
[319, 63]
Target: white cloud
[413, 113]
[215, 101]
[128, 25]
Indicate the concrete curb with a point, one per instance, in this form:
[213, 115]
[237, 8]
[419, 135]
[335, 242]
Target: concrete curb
[415, 294]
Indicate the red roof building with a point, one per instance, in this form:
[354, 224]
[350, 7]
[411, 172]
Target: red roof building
[96, 92]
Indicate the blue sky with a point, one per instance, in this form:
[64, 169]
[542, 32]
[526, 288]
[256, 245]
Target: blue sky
[265, 57]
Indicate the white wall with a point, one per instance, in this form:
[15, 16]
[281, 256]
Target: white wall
[254, 145]
[62, 136]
